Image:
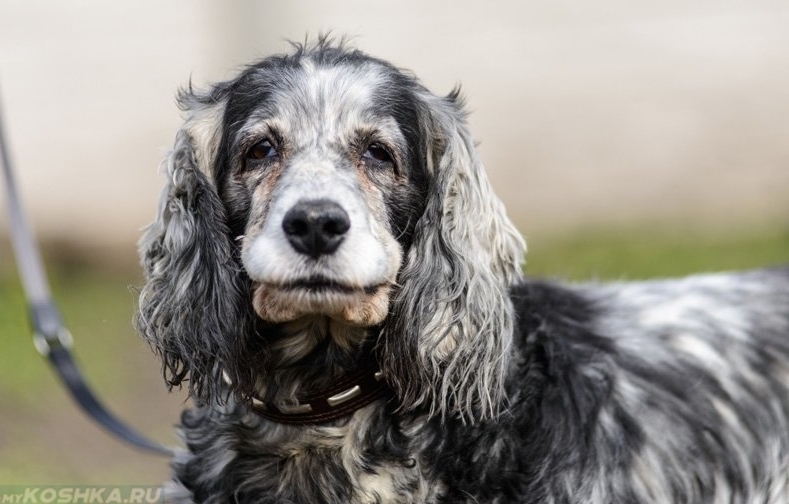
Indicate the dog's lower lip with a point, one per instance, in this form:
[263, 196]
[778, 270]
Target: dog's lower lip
[322, 285]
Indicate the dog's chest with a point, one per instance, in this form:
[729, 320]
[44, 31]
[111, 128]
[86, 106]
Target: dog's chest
[367, 471]
[394, 485]
[364, 461]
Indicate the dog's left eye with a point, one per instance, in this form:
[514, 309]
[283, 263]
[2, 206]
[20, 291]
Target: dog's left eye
[264, 149]
[377, 152]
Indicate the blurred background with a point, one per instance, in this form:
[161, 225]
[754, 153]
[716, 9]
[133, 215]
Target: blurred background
[628, 139]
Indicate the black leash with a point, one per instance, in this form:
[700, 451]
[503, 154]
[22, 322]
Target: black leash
[50, 336]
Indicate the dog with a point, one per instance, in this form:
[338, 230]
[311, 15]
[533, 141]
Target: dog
[333, 278]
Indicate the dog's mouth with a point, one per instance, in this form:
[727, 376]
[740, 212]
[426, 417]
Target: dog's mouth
[320, 285]
[356, 305]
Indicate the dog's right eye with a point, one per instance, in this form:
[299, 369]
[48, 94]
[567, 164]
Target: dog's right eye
[264, 149]
[376, 152]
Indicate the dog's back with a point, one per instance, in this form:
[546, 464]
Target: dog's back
[661, 391]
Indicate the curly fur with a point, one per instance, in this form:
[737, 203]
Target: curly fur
[504, 389]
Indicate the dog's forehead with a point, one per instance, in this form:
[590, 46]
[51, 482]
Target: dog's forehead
[312, 96]
[317, 87]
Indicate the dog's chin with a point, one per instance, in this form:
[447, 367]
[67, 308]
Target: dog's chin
[354, 306]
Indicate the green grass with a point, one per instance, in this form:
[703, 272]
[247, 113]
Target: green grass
[641, 254]
[96, 306]
[44, 437]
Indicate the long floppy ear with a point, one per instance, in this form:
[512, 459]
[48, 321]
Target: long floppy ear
[190, 309]
[446, 345]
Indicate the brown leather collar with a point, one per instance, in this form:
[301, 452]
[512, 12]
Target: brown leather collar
[352, 392]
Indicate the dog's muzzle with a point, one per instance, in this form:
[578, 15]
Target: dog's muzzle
[320, 256]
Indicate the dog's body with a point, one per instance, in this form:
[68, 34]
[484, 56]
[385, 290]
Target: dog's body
[324, 214]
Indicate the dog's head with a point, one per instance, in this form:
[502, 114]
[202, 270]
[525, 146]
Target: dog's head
[326, 183]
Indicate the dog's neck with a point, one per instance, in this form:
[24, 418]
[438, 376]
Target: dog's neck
[310, 355]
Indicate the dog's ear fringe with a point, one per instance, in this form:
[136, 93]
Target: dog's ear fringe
[446, 344]
[190, 308]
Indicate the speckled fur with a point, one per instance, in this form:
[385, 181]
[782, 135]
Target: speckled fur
[505, 389]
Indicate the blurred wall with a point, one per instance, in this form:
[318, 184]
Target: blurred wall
[588, 113]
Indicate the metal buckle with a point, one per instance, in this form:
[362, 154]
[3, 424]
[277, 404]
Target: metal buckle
[45, 344]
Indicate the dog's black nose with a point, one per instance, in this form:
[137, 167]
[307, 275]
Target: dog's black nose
[316, 227]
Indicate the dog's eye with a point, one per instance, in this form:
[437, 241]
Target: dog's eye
[264, 149]
[377, 152]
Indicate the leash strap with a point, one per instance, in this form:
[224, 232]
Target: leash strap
[50, 336]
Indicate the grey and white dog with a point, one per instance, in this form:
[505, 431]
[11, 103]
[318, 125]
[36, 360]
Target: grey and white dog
[333, 276]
